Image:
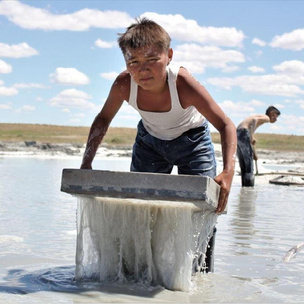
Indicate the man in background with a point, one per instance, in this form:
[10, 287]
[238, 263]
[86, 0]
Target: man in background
[245, 146]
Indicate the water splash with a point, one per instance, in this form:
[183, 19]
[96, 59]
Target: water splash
[154, 242]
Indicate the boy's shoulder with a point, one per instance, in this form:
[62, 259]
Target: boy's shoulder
[262, 117]
[256, 117]
[121, 85]
[123, 76]
[122, 80]
[184, 80]
[181, 72]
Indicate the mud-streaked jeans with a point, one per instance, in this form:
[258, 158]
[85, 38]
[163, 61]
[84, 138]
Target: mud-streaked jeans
[245, 156]
[192, 153]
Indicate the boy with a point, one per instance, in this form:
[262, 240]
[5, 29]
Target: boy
[174, 108]
[245, 147]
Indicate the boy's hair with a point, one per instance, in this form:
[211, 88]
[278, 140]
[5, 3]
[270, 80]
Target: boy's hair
[143, 33]
[272, 109]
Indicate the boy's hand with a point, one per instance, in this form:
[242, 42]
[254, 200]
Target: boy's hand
[225, 181]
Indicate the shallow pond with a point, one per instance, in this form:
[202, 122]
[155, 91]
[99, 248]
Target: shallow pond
[38, 243]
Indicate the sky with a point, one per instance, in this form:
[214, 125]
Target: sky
[58, 59]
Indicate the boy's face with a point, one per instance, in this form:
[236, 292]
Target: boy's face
[273, 116]
[147, 66]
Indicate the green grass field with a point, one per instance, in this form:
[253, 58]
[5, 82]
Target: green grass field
[124, 136]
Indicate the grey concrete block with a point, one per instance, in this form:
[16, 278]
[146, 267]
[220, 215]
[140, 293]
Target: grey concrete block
[149, 186]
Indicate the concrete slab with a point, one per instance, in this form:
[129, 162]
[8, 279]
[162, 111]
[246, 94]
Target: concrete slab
[149, 186]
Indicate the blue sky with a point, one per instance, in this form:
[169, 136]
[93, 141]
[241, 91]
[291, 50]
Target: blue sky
[58, 59]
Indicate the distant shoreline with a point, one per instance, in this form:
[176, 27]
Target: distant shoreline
[281, 162]
[33, 148]
[123, 137]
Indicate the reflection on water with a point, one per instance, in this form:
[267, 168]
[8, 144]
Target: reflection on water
[38, 243]
[243, 216]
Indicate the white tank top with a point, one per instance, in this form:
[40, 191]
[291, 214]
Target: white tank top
[167, 125]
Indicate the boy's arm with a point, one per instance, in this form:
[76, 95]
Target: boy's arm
[229, 143]
[191, 92]
[97, 132]
[255, 122]
[118, 93]
[255, 155]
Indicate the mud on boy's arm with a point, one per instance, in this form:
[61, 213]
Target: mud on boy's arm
[103, 119]
[97, 132]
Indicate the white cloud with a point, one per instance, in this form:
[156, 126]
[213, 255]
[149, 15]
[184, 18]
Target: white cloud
[237, 107]
[256, 69]
[279, 106]
[290, 67]
[287, 82]
[291, 41]
[73, 98]
[230, 69]
[241, 109]
[299, 102]
[30, 86]
[105, 44]
[188, 30]
[109, 76]
[16, 50]
[278, 85]
[30, 17]
[5, 68]
[5, 107]
[5, 91]
[74, 93]
[268, 85]
[237, 110]
[288, 122]
[197, 58]
[27, 108]
[258, 42]
[257, 103]
[69, 76]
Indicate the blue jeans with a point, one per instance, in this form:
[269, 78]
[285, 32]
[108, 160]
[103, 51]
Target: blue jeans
[192, 153]
[245, 156]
